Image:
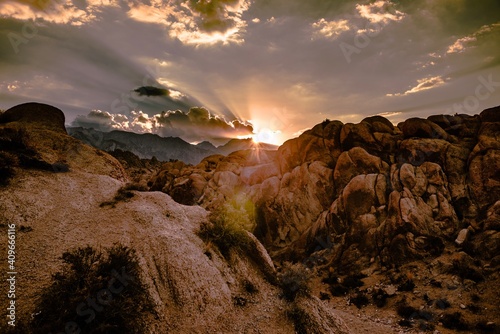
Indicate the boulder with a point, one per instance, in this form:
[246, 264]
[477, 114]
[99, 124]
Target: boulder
[422, 128]
[354, 162]
[36, 114]
[490, 115]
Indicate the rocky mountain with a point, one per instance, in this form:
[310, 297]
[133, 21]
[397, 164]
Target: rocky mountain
[386, 226]
[148, 145]
[371, 199]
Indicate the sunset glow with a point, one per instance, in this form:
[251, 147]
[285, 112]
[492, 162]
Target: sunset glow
[285, 66]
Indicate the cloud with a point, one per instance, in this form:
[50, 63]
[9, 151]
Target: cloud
[380, 11]
[191, 22]
[330, 29]
[195, 125]
[461, 44]
[56, 11]
[152, 91]
[423, 84]
[195, 22]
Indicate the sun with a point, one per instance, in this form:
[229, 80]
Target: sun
[267, 136]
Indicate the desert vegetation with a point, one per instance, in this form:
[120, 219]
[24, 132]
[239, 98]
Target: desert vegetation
[294, 280]
[96, 292]
[225, 229]
[124, 194]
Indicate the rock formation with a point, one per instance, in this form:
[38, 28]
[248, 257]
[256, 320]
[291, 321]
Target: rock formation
[380, 192]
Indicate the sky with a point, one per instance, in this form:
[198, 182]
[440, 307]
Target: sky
[219, 69]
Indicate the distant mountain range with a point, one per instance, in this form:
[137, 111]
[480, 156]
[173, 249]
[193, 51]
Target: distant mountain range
[163, 148]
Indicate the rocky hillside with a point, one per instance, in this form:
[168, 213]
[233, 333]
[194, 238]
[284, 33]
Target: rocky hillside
[62, 194]
[377, 190]
[422, 197]
[147, 146]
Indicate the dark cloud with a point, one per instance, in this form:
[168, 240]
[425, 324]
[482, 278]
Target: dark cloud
[198, 123]
[151, 91]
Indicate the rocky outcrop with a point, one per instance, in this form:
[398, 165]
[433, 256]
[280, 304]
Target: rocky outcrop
[35, 114]
[32, 135]
[379, 192]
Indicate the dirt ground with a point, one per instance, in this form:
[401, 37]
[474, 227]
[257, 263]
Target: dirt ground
[434, 297]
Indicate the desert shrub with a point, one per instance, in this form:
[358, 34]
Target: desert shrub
[124, 194]
[465, 271]
[353, 281]
[324, 296]
[96, 292]
[404, 323]
[359, 300]
[301, 320]
[342, 287]
[442, 304]
[250, 287]
[242, 209]
[406, 311]
[338, 290]
[6, 173]
[487, 327]
[60, 167]
[407, 285]
[224, 230]
[134, 186]
[380, 297]
[455, 321]
[294, 280]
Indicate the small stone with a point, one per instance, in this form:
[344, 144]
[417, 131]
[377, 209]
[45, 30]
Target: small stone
[390, 290]
[462, 236]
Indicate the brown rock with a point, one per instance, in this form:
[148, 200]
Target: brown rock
[492, 221]
[379, 124]
[354, 162]
[422, 128]
[36, 114]
[353, 135]
[490, 115]
[484, 178]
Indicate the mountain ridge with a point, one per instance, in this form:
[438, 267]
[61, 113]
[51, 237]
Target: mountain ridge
[148, 145]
